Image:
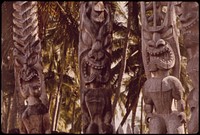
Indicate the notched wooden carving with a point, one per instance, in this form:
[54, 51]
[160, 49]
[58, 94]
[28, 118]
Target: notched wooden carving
[159, 57]
[27, 51]
[94, 65]
[157, 23]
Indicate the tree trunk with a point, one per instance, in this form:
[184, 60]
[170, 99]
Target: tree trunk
[56, 111]
[124, 58]
[133, 121]
[59, 92]
[50, 102]
[134, 108]
[73, 117]
[141, 116]
[134, 24]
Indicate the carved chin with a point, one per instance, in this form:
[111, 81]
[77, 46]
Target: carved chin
[162, 57]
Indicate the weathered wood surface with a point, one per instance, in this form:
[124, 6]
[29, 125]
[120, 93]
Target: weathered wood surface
[94, 65]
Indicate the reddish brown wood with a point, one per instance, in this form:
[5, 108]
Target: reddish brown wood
[161, 54]
[94, 65]
[188, 13]
[29, 76]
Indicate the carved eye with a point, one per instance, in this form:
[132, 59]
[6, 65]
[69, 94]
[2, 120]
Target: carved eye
[151, 43]
[36, 87]
[18, 63]
[192, 109]
[32, 59]
[148, 120]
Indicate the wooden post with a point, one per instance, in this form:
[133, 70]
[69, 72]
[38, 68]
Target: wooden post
[29, 76]
[94, 66]
[160, 52]
[188, 15]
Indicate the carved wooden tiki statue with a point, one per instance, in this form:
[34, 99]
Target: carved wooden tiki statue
[188, 13]
[29, 77]
[160, 55]
[94, 64]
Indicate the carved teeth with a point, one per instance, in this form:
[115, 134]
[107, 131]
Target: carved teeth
[93, 66]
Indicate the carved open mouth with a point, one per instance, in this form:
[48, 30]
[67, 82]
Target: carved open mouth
[30, 79]
[161, 54]
[95, 71]
[28, 74]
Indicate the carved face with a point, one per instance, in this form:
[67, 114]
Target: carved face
[187, 12]
[96, 71]
[161, 55]
[188, 16]
[96, 37]
[96, 65]
[30, 82]
[97, 13]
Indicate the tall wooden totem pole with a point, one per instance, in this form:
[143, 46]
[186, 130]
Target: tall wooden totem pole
[161, 56]
[188, 13]
[94, 65]
[28, 69]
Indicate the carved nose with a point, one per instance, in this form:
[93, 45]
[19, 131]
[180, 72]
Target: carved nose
[160, 42]
[96, 55]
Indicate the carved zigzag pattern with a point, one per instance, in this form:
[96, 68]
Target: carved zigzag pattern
[25, 32]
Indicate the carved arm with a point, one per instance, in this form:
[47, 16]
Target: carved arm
[148, 107]
[177, 94]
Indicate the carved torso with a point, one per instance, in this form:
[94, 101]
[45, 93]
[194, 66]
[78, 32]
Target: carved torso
[160, 92]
